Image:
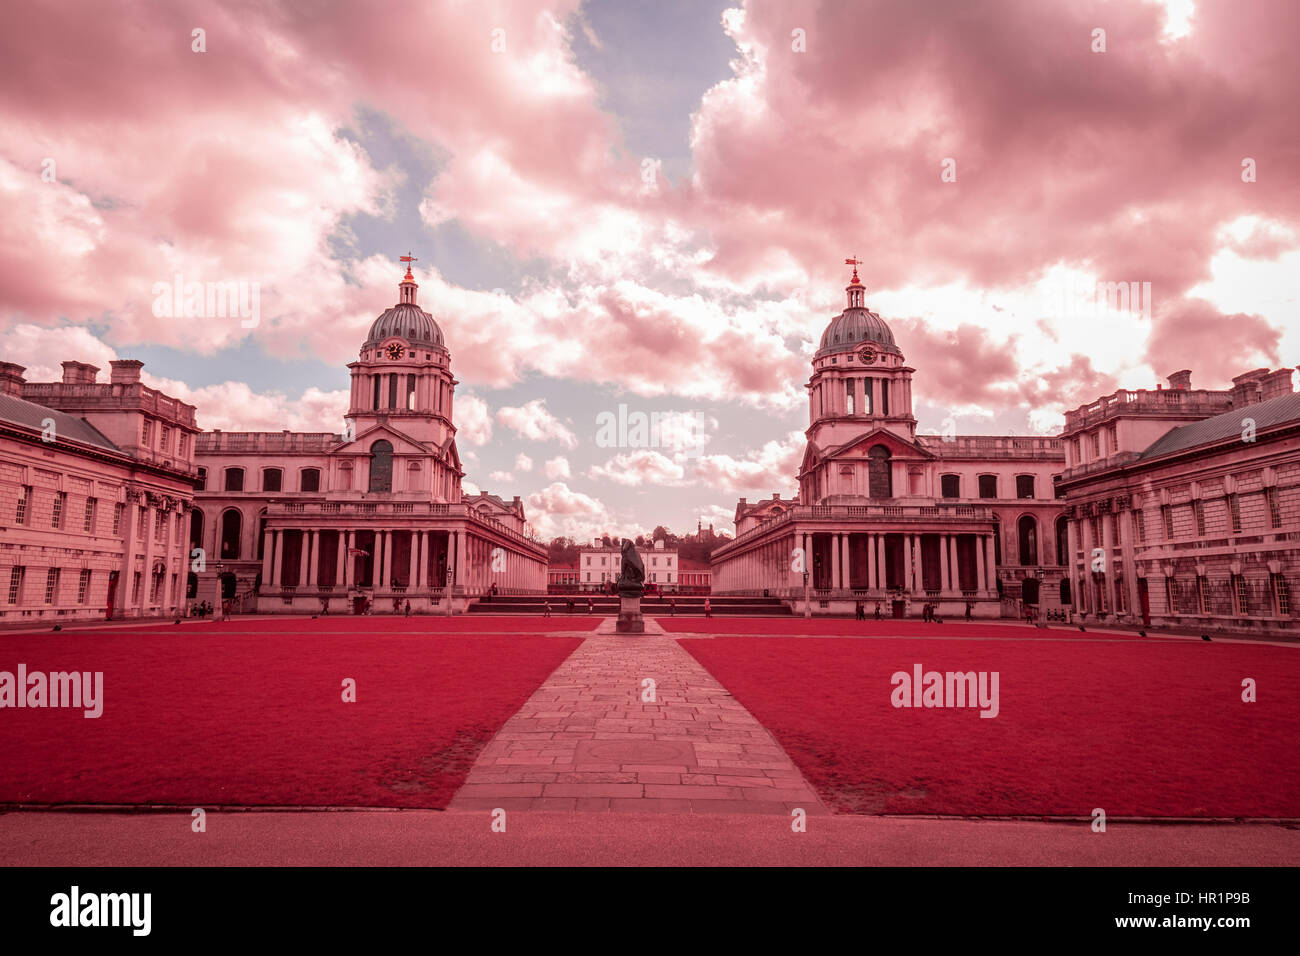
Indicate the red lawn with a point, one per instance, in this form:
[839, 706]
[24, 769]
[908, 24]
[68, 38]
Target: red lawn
[847, 627]
[1137, 728]
[216, 714]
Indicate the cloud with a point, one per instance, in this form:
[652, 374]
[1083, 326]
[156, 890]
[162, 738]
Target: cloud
[523, 462]
[534, 422]
[473, 419]
[774, 467]
[558, 511]
[639, 468]
[557, 467]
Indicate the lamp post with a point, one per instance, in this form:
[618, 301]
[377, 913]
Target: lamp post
[807, 600]
[448, 590]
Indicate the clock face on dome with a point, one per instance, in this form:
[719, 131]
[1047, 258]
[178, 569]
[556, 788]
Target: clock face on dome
[394, 351]
[867, 356]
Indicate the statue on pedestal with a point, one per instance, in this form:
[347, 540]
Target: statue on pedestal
[630, 586]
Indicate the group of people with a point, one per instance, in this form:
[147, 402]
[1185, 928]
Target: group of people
[205, 609]
[861, 611]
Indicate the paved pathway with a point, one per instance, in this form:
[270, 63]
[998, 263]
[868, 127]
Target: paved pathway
[586, 740]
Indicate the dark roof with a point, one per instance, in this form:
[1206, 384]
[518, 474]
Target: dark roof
[30, 415]
[1275, 411]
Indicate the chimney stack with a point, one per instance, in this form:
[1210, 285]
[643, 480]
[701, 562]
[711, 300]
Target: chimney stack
[126, 371]
[1181, 379]
[79, 373]
[1275, 384]
[11, 379]
[1245, 387]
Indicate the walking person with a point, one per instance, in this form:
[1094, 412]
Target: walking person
[672, 607]
[225, 610]
[591, 605]
[708, 608]
[969, 606]
[547, 610]
[406, 612]
[877, 610]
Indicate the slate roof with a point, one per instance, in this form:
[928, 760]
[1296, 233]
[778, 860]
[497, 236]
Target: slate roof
[30, 415]
[1275, 411]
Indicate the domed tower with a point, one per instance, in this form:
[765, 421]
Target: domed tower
[402, 377]
[860, 381]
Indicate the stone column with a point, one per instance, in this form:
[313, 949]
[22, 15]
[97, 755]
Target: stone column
[350, 564]
[981, 580]
[835, 561]
[916, 566]
[388, 560]
[304, 557]
[422, 568]
[990, 562]
[459, 579]
[268, 554]
[1072, 561]
[943, 563]
[1108, 546]
[277, 565]
[907, 562]
[413, 576]
[1128, 547]
[313, 566]
[880, 561]
[846, 561]
[954, 565]
[871, 561]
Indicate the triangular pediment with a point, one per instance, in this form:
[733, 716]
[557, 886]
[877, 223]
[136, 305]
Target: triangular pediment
[402, 443]
[860, 446]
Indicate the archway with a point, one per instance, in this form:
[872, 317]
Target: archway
[232, 524]
[1028, 532]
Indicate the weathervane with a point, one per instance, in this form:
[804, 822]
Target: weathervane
[855, 262]
[408, 259]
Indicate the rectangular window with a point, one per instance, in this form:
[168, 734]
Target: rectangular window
[1140, 517]
[88, 525]
[1202, 596]
[1274, 511]
[1234, 509]
[271, 479]
[1240, 595]
[1167, 512]
[16, 584]
[1078, 452]
[146, 433]
[24, 500]
[375, 379]
[141, 521]
[135, 588]
[56, 517]
[392, 390]
[410, 393]
[155, 589]
[203, 480]
[164, 438]
[1103, 599]
[1024, 486]
[83, 585]
[52, 586]
[868, 396]
[1281, 596]
[159, 524]
[848, 397]
[1171, 591]
[884, 396]
[234, 479]
[988, 486]
[182, 444]
[1199, 511]
[1112, 433]
[950, 486]
[1096, 445]
[117, 518]
[311, 479]
[1121, 593]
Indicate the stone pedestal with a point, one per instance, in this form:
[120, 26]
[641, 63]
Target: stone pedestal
[629, 611]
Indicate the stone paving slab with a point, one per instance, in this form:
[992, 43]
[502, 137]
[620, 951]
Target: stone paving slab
[596, 737]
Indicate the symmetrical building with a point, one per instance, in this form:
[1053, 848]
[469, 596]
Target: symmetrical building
[1183, 505]
[886, 515]
[96, 496]
[599, 565]
[296, 521]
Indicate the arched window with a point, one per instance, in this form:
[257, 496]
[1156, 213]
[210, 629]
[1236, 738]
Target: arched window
[1028, 530]
[310, 479]
[950, 486]
[272, 478]
[381, 466]
[232, 524]
[1062, 540]
[196, 528]
[997, 541]
[234, 479]
[880, 478]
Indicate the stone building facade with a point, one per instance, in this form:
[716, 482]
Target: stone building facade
[301, 522]
[1183, 505]
[886, 515]
[96, 495]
